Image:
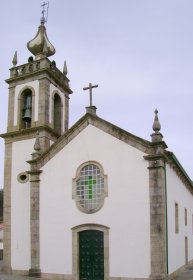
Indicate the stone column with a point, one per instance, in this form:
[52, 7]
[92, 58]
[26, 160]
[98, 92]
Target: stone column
[66, 113]
[158, 226]
[44, 102]
[11, 108]
[35, 270]
[158, 204]
[7, 207]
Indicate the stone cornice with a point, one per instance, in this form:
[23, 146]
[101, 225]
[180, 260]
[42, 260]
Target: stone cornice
[121, 134]
[34, 175]
[156, 161]
[26, 133]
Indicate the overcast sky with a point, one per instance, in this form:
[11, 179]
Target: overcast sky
[139, 52]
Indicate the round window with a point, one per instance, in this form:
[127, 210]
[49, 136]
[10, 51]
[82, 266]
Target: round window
[23, 177]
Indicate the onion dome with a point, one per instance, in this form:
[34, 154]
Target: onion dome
[40, 46]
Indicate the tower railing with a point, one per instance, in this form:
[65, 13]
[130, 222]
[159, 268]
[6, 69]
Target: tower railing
[36, 66]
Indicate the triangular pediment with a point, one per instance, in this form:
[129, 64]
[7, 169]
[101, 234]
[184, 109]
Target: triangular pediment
[109, 128]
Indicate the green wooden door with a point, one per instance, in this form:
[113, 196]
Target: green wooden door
[91, 255]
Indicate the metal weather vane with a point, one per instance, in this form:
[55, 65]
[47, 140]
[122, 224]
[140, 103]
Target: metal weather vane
[45, 7]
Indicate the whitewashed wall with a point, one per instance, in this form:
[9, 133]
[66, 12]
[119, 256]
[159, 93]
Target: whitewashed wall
[178, 193]
[20, 207]
[125, 211]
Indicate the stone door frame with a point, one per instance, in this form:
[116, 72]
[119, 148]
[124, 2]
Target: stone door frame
[75, 247]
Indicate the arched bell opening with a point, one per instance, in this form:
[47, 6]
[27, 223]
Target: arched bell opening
[57, 114]
[26, 109]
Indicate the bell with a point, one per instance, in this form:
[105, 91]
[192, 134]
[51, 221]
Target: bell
[27, 109]
[27, 115]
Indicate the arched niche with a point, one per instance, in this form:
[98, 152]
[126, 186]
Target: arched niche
[57, 113]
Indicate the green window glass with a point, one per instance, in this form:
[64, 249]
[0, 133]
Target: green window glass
[90, 187]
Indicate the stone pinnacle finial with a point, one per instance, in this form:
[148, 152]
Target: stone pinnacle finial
[156, 124]
[65, 70]
[14, 61]
[37, 143]
[156, 136]
[37, 147]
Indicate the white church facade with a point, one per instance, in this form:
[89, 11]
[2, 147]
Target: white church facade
[90, 202]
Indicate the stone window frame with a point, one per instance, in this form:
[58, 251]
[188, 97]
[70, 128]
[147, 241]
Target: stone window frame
[75, 247]
[20, 175]
[20, 105]
[74, 186]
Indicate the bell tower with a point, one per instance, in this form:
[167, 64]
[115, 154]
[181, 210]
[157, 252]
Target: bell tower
[38, 101]
[38, 93]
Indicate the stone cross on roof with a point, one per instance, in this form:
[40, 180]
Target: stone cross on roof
[90, 87]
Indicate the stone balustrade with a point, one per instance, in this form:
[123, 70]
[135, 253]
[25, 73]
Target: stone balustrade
[38, 65]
